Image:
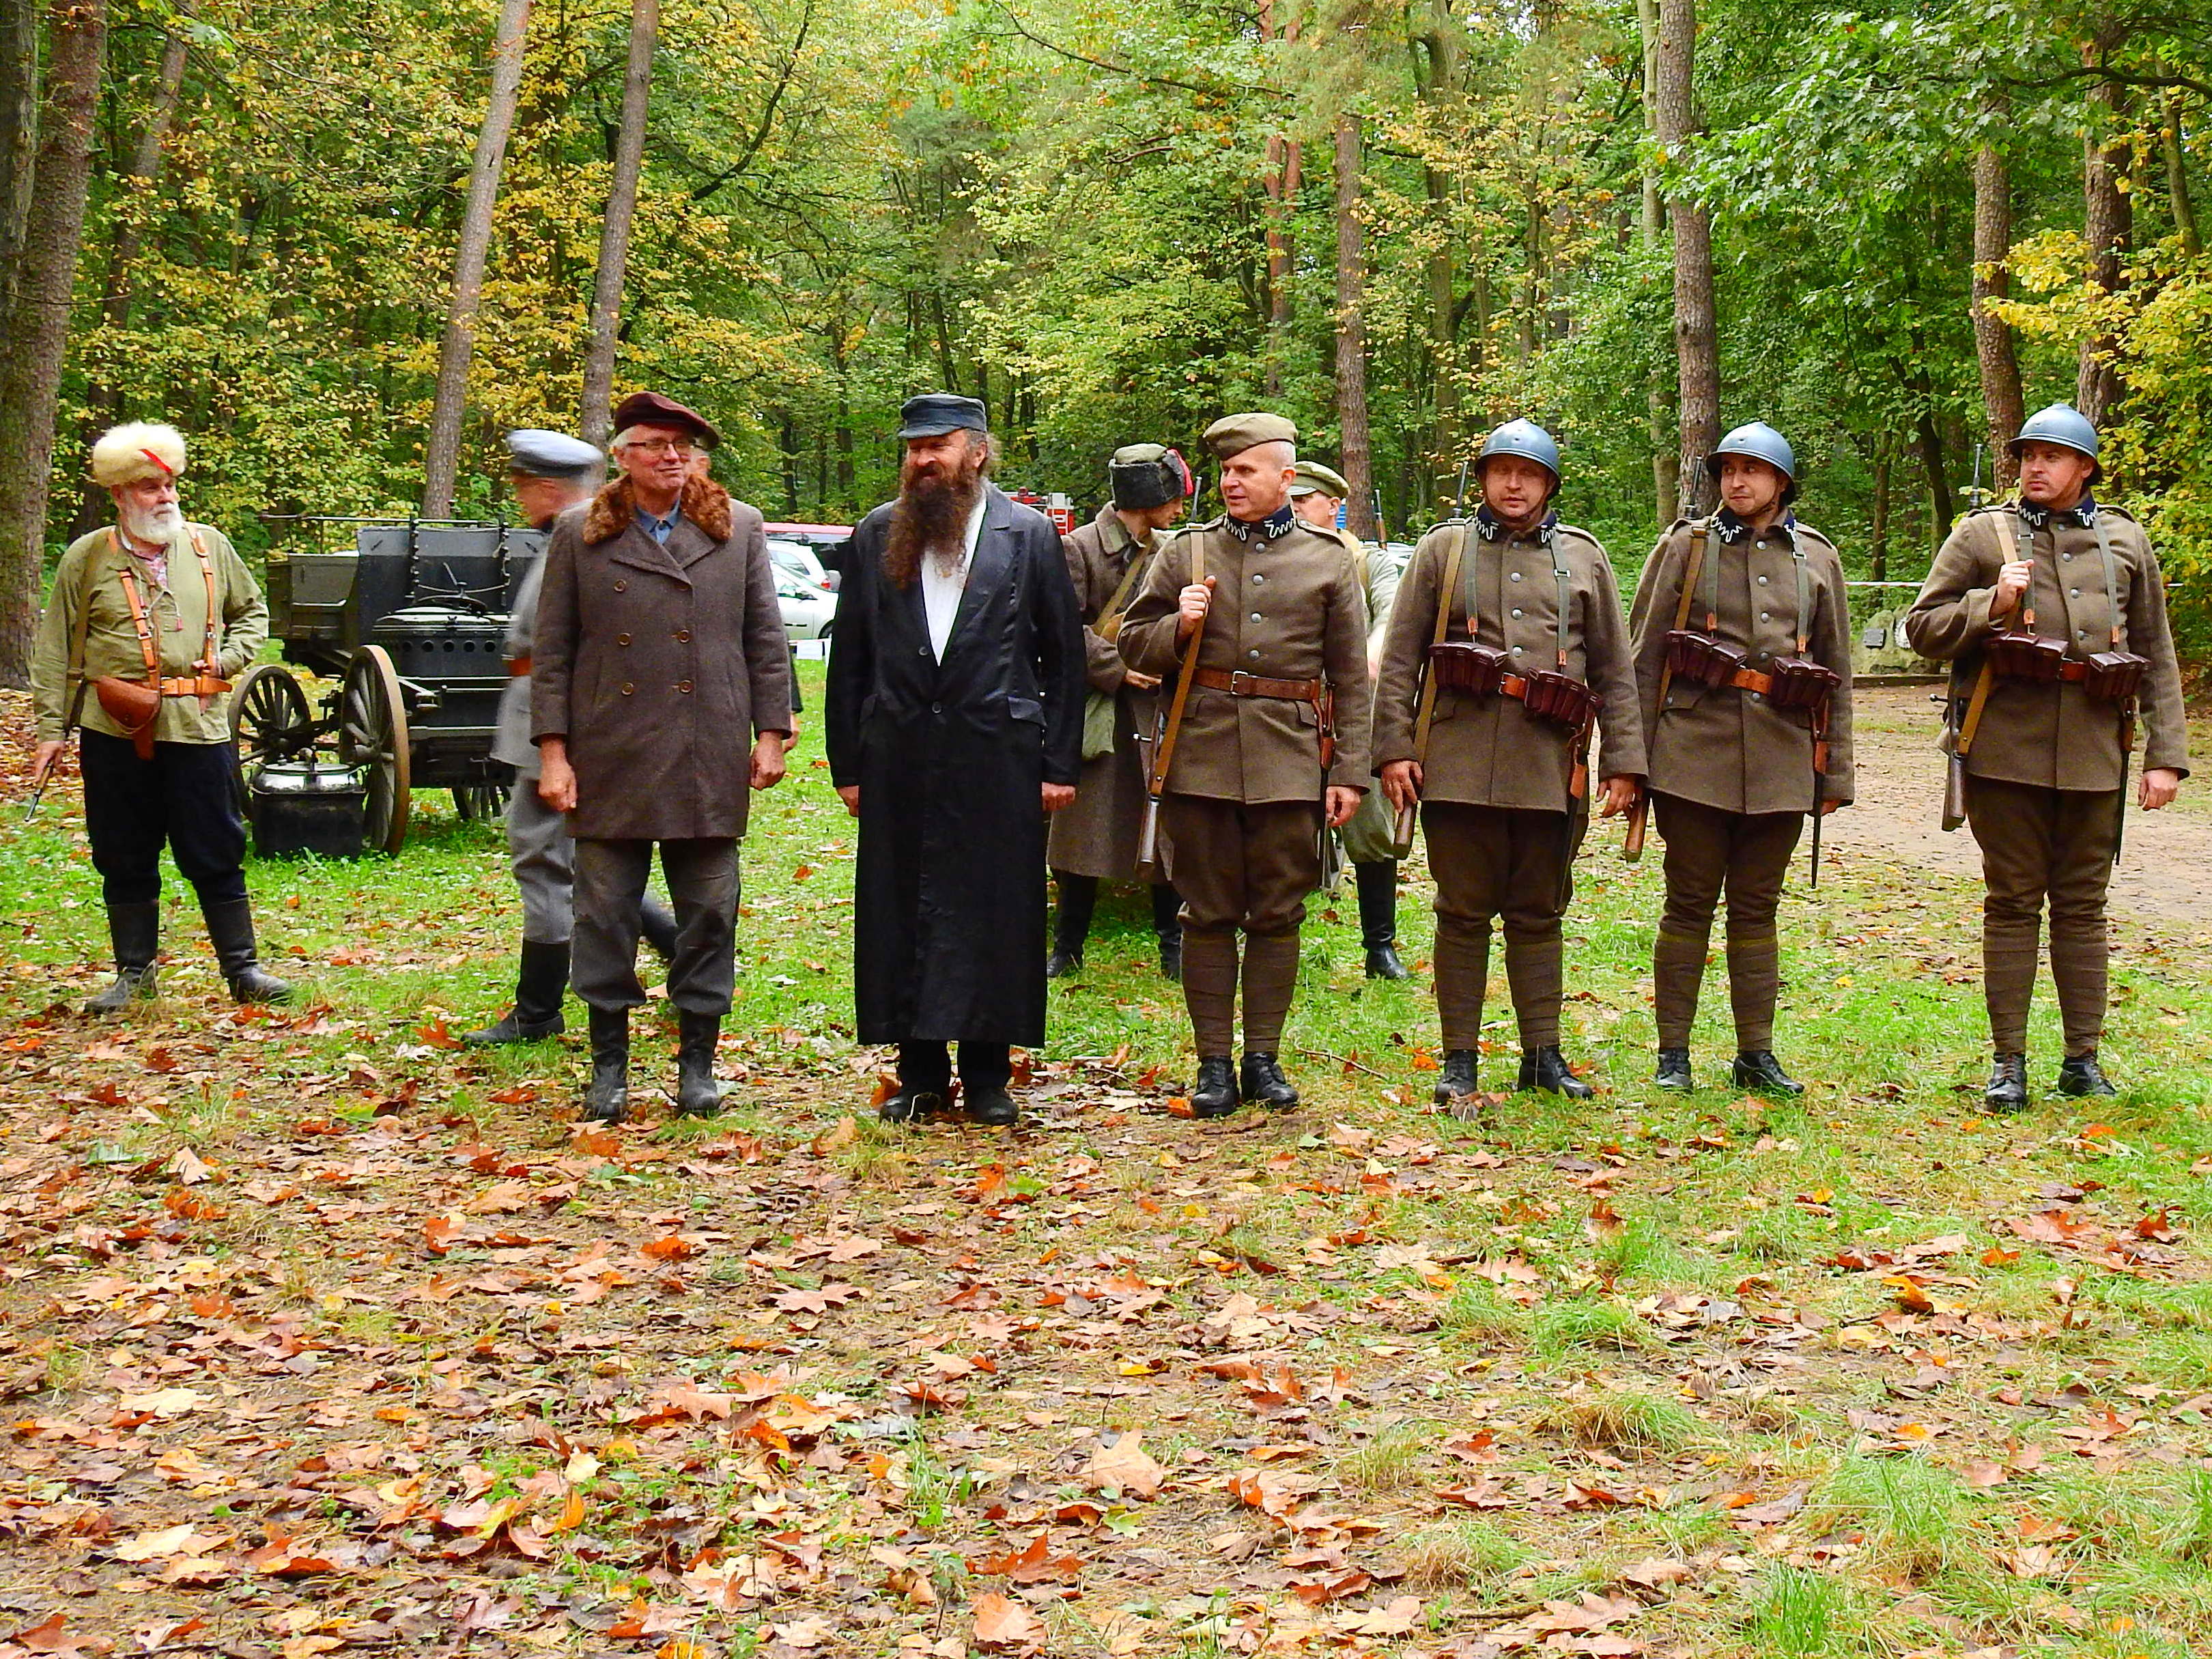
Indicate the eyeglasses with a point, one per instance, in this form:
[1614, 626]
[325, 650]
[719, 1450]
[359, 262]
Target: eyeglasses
[677, 447]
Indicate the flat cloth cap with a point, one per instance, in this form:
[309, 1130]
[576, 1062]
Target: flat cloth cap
[1232, 434]
[1312, 476]
[651, 409]
[933, 414]
[537, 453]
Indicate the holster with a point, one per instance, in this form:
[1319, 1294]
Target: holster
[131, 705]
[1701, 657]
[1800, 683]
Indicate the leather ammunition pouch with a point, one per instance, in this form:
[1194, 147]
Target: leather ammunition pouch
[2037, 659]
[1700, 657]
[132, 704]
[2114, 676]
[1469, 666]
[1799, 683]
[1561, 698]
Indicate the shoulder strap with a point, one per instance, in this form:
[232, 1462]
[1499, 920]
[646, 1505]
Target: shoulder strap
[1682, 609]
[1567, 597]
[2111, 575]
[1804, 634]
[1426, 717]
[146, 646]
[1712, 580]
[1110, 619]
[2024, 546]
[207, 582]
[1163, 750]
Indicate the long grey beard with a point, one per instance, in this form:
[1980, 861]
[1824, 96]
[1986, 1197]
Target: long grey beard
[156, 524]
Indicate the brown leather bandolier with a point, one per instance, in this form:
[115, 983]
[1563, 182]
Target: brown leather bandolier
[136, 705]
[517, 668]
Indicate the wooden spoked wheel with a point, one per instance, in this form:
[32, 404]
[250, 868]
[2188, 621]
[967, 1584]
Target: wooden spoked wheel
[479, 801]
[373, 735]
[269, 720]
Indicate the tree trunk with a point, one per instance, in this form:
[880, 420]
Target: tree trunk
[1281, 183]
[2002, 397]
[441, 457]
[597, 414]
[1651, 229]
[1878, 538]
[38, 329]
[2177, 179]
[1353, 456]
[1696, 350]
[1938, 469]
[19, 136]
[2108, 224]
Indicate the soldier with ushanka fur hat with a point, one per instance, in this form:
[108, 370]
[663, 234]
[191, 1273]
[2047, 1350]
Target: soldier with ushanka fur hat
[1270, 614]
[1095, 839]
[1741, 631]
[144, 628]
[2051, 611]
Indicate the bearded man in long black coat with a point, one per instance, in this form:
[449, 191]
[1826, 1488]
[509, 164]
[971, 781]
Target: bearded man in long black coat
[954, 725]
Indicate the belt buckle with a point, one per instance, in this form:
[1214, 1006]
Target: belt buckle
[1238, 679]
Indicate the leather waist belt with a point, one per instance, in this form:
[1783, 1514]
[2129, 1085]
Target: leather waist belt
[202, 685]
[1238, 683]
[517, 668]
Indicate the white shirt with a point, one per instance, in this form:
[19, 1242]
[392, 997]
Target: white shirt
[941, 589]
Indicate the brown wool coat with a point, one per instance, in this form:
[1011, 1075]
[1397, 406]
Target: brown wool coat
[1097, 836]
[658, 664]
[1293, 609]
[1492, 752]
[2057, 736]
[1718, 745]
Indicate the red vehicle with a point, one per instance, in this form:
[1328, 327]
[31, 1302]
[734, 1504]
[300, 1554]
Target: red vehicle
[1056, 507]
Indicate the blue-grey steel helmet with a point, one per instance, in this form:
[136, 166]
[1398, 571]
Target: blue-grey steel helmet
[2062, 424]
[1527, 441]
[1761, 442]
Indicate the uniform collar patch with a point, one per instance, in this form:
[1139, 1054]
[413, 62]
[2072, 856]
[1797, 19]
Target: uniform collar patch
[1732, 530]
[1491, 528]
[1276, 525]
[2083, 515]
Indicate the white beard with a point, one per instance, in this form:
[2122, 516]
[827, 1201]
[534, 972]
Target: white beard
[154, 526]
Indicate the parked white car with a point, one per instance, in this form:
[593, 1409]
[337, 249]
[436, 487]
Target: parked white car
[802, 591]
[797, 559]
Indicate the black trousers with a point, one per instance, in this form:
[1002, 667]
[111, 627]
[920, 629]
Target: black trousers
[703, 885]
[929, 1066]
[183, 798]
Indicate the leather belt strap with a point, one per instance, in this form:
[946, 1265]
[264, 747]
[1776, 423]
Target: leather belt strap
[519, 667]
[1238, 683]
[1750, 679]
[197, 685]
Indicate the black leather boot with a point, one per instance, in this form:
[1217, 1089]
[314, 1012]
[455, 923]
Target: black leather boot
[1673, 1072]
[1260, 1080]
[230, 930]
[540, 982]
[1171, 956]
[607, 1097]
[993, 1107]
[2080, 1074]
[2006, 1092]
[1547, 1069]
[1377, 885]
[1078, 898]
[1758, 1069]
[908, 1105]
[697, 1094]
[136, 932]
[656, 926]
[1456, 1077]
[1215, 1094]
[1167, 923]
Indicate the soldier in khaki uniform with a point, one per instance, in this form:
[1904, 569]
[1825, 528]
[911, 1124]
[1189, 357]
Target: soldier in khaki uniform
[1503, 788]
[1368, 839]
[1738, 758]
[1095, 840]
[1272, 743]
[145, 627]
[2051, 611]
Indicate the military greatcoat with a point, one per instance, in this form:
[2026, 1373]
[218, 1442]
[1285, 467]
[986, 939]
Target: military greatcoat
[1097, 836]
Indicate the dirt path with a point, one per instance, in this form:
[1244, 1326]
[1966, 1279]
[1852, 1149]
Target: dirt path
[2165, 876]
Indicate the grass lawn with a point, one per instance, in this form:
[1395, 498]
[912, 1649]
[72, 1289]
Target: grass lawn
[324, 1335]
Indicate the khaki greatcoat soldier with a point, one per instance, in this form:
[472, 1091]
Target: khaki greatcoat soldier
[1467, 724]
[1272, 744]
[144, 628]
[659, 697]
[1744, 675]
[1095, 839]
[1369, 841]
[2051, 611]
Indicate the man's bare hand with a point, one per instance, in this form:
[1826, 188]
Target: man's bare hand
[1402, 783]
[1343, 802]
[1059, 797]
[791, 737]
[1617, 795]
[850, 794]
[767, 768]
[2158, 787]
[49, 752]
[1137, 681]
[2012, 582]
[1191, 606]
[556, 778]
[1829, 806]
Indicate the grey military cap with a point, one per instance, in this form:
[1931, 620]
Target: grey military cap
[541, 454]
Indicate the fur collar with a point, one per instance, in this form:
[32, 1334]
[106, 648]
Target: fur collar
[614, 509]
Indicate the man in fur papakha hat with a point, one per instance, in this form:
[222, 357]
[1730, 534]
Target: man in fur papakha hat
[145, 625]
[659, 650]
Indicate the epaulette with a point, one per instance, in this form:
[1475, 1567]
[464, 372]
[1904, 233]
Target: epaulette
[1577, 530]
[1991, 506]
[2118, 512]
[1817, 534]
[1181, 529]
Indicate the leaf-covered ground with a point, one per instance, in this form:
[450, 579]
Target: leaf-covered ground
[323, 1335]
